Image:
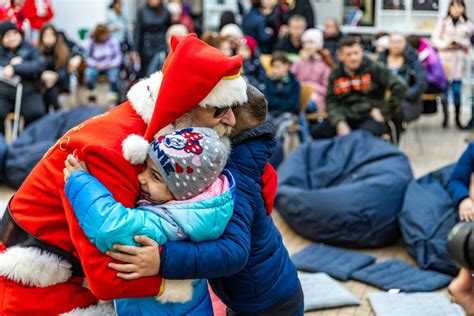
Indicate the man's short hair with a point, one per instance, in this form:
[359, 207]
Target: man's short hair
[348, 41]
[297, 17]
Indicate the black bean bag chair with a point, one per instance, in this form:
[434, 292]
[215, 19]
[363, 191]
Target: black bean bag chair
[346, 191]
[427, 215]
[19, 158]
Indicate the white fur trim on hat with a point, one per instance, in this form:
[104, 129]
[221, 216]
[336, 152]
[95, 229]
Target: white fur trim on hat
[102, 308]
[135, 149]
[231, 29]
[143, 95]
[33, 267]
[176, 291]
[227, 93]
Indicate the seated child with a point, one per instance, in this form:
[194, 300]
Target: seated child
[459, 182]
[282, 90]
[185, 195]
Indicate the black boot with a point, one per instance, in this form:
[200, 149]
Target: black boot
[457, 110]
[444, 103]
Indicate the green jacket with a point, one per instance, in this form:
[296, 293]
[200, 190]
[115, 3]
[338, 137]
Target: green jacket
[352, 98]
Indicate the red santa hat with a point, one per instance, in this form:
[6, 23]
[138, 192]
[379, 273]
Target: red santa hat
[193, 74]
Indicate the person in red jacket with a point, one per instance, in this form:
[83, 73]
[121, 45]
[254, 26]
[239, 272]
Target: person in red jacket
[38, 13]
[47, 264]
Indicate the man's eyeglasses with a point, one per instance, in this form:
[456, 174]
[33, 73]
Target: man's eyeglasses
[220, 112]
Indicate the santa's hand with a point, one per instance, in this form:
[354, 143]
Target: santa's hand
[137, 262]
[72, 164]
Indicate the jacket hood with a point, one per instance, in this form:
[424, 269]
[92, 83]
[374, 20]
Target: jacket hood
[251, 150]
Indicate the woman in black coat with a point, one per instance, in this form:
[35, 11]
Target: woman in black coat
[55, 78]
[19, 61]
[153, 19]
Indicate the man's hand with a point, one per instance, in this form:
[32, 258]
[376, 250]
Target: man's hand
[376, 114]
[8, 71]
[462, 291]
[72, 164]
[343, 128]
[16, 60]
[137, 261]
[466, 210]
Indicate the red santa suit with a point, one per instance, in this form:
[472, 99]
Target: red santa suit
[37, 282]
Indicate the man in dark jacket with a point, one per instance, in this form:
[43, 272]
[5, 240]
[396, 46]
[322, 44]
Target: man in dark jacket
[19, 60]
[357, 92]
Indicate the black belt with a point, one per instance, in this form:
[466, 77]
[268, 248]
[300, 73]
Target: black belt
[12, 234]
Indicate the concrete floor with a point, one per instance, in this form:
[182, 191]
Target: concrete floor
[437, 148]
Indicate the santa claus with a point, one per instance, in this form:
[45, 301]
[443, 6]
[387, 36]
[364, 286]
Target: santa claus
[45, 257]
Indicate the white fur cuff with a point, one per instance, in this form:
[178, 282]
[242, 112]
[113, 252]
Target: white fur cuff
[101, 309]
[227, 93]
[176, 291]
[33, 267]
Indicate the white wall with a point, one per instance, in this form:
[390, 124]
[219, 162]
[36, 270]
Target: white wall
[72, 15]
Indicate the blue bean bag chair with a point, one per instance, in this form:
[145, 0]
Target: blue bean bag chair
[428, 214]
[18, 159]
[346, 191]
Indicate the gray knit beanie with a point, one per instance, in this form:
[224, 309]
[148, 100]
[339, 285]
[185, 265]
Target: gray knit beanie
[189, 160]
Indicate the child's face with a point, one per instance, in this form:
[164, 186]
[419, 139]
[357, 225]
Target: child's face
[152, 185]
[245, 52]
[280, 70]
[310, 48]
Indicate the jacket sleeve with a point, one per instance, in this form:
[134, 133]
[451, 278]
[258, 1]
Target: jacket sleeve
[225, 256]
[437, 36]
[458, 184]
[335, 109]
[120, 178]
[415, 91]
[117, 60]
[393, 84]
[105, 221]
[31, 68]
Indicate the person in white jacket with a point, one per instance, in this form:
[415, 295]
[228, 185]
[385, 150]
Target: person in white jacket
[452, 38]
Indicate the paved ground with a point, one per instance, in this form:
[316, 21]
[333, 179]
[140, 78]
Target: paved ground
[437, 148]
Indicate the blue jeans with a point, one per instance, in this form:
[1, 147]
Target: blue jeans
[91, 74]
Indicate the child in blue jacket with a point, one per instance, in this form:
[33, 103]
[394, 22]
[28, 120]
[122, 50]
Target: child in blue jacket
[185, 195]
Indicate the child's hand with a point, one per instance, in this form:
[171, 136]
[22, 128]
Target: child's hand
[72, 164]
[137, 261]
[466, 210]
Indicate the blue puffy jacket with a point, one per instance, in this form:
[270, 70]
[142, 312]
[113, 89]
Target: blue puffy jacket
[249, 266]
[107, 222]
[458, 185]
